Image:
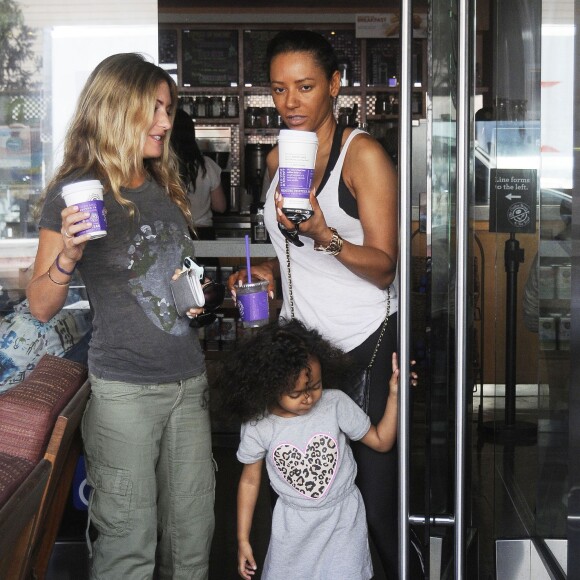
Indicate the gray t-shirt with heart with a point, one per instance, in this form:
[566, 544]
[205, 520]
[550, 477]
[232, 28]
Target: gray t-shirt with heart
[319, 525]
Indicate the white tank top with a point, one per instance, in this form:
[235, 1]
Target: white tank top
[343, 307]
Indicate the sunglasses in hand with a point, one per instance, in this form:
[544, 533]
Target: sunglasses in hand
[214, 296]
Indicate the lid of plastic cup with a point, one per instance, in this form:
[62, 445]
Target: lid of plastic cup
[258, 284]
[78, 185]
[298, 136]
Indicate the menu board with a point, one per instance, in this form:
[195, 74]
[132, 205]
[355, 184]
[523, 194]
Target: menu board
[167, 46]
[255, 65]
[210, 58]
[256, 42]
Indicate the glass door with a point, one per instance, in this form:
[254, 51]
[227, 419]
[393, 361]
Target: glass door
[490, 452]
[526, 136]
[441, 300]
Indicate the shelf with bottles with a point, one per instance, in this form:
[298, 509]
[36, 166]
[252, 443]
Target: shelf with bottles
[211, 58]
[384, 104]
[215, 108]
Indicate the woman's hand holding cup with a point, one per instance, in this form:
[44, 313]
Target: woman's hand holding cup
[259, 272]
[73, 222]
[314, 227]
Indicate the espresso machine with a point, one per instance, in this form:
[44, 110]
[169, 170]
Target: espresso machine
[255, 169]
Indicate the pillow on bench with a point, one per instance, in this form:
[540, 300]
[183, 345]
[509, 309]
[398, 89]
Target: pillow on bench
[23, 340]
[29, 410]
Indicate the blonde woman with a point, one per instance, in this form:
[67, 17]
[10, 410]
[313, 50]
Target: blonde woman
[146, 429]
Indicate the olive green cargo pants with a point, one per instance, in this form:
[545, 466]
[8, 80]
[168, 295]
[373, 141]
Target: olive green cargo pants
[150, 464]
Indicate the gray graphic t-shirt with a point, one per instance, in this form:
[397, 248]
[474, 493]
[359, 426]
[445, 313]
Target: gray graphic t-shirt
[137, 334]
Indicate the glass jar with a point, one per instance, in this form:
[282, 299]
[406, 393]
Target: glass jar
[345, 116]
[232, 107]
[382, 104]
[189, 106]
[216, 106]
[253, 120]
[202, 106]
[268, 117]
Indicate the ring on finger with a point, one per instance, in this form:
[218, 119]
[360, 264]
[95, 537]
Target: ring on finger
[67, 234]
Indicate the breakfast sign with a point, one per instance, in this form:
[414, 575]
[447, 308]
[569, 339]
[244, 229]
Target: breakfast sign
[387, 25]
[513, 198]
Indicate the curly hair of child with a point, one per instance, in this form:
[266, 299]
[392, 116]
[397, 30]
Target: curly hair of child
[251, 379]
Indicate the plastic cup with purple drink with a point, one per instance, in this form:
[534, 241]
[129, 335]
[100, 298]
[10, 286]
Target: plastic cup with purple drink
[252, 302]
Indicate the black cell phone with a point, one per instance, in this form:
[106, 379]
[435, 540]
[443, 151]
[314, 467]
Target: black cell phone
[297, 216]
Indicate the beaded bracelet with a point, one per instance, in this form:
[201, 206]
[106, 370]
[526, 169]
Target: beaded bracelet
[55, 282]
[62, 270]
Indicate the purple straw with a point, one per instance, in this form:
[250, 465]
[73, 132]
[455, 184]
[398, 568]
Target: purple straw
[248, 259]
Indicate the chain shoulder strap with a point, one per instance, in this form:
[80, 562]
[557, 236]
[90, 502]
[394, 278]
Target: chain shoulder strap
[290, 295]
[385, 323]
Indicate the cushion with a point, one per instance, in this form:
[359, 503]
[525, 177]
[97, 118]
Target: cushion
[23, 340]
[29, 410]
[13, 471]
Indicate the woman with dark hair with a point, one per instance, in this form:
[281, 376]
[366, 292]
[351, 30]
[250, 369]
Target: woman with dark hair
[200, 174]
[146, 428]
[342, 280]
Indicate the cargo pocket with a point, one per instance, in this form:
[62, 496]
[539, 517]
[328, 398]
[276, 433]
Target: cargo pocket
[110, 509]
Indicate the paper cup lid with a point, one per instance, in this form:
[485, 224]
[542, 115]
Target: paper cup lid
[81, 185]
[297, 136]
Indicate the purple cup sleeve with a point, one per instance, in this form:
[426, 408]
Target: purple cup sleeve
[253, 306]
[97, 219]
[295, 181]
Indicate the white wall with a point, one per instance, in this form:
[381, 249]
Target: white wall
[72, 37]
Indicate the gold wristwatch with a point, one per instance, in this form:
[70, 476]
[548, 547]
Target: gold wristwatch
[334, 246]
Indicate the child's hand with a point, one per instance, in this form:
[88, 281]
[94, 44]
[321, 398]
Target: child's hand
[394, 381]
[246, 563]
[414, 375]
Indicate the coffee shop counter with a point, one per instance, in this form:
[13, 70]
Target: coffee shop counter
[231, 248]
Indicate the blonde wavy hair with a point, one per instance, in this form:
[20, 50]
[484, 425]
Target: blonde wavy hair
[110, 125]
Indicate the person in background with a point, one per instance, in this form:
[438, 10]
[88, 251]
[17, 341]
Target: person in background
[199, 173]
[342, 281]
[146, 428]
[295, 422]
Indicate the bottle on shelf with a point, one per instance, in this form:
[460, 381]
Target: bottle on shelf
[216, 106]
[259, 232]
[232, 108]
[202, 107]
[382, 104]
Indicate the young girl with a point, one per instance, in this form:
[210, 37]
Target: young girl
[302, 432]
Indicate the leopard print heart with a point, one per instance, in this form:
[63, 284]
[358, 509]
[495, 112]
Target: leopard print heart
[309, 472]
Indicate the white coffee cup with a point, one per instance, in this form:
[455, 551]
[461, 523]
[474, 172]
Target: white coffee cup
[88, 196]
[296, 160]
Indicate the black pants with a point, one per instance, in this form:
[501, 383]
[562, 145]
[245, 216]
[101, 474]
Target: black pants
[377, 476]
